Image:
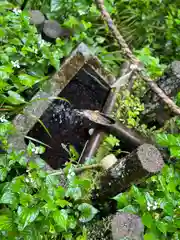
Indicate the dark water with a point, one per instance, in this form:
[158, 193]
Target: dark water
[62, 121]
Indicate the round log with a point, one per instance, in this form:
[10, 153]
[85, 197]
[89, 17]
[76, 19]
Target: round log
[127, 226]
[143, 162]
[52, 30]
[37, 18]
[116, 227]
[155, 111]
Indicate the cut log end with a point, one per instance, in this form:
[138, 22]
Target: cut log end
[53, 30]
[150, 158]
[127, 226]
[36, 17]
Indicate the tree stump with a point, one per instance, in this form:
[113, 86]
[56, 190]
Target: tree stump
[116, 227]
[37, 18]
[155, 111]
[143, 162]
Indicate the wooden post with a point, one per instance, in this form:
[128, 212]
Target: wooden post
[145, 161]
[155, 111]
[98, 135]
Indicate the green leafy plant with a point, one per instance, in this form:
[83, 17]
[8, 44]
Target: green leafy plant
[107, 147]
[128, 108]
[157, 204]
[24, 56]
[172, 141]
[152, 64]
[35, 204]
[158, 201]
[154, 23]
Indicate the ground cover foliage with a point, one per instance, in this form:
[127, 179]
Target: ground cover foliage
[33, 203]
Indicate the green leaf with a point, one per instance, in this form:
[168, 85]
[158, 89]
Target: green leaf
[147, 219]
[2, 32]
[3, 173]
[84, 184]
[14, 98]
[4, 161]
[175, 151]
[162, 139]
[4, 58]
[167, 140]
[16, 41]
[31, 148]
[61, 218]
[50, 205]
[55, 60]
[149, 198]
[129, 208]
[74, 155]
[6, 128]
[162, 226]
[177, 222]
[172, 185]
[25, 199]
[4, 85]
[100, 39]
[6, 68]
[169, 208]
[150, 236]
[177, 140]
[18, 184]
[5, 5]
[55, 5]
[121, 199]
[8, 198]
[28, 80]
[72, 222]
[31, 233]
[60, 192]
[74, 193]
[140, 198]
[62, 203]
[87, 212]
[6, 222]
[52, 181]
[5, 72]
[26, 216]
[68, 236]
[112, 141]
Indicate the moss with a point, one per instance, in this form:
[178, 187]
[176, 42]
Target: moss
[100, 230]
